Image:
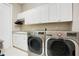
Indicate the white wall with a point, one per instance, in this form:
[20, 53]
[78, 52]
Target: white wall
[6, 24]
[16, 8]
[66, 26]
[75, 24]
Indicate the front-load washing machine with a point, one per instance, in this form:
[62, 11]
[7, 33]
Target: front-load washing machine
[36, 43]
[62, 43]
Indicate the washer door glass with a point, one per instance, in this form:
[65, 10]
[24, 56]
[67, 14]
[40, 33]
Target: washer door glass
[35, 45]
[57, 47]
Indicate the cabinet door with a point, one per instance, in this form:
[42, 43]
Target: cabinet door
[64, 12]
[33, 16]
[52, 12]
[20, 41]
[37, 15]
[44, 13]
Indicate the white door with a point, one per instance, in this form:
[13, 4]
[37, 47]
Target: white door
[6, 24]
[64, 12]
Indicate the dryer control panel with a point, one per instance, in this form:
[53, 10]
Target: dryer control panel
[72, 34]
[62, 34]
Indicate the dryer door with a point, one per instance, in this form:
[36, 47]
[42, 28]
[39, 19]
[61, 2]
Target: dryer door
[59, 47]
[71, 46]
[35, 45]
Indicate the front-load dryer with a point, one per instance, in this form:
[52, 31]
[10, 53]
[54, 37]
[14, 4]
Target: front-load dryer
[62, 43]
[36, 43]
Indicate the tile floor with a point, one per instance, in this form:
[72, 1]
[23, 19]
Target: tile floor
[15, 52]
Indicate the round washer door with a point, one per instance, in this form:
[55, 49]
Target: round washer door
[35, 45]
[58, 47]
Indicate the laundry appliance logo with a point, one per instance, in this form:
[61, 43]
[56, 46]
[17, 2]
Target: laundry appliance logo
[59, 34]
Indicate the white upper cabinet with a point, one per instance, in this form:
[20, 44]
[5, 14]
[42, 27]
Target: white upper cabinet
[44, 13]
[53, 12]
[52, 7]
[64, 12]
[60, 12]
[21, 15]
[33, 16]
[37, 15]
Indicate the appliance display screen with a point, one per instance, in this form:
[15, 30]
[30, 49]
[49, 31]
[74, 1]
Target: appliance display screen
[72, 34]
